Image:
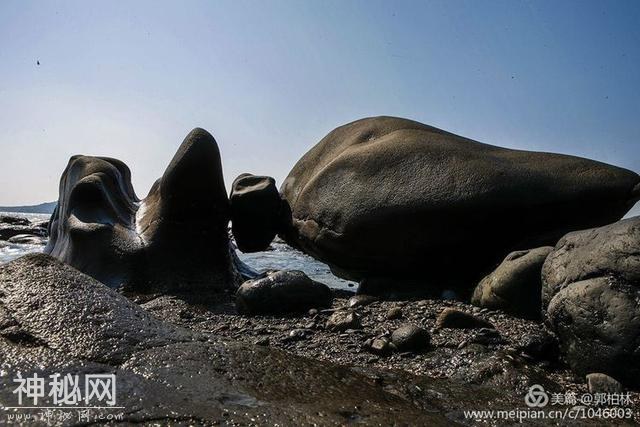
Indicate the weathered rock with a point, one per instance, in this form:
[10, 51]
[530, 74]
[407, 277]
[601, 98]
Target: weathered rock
[28, 239]
[453, 318]
[602, 383]
[52, 305]
[56, 320]
[591, 293]
[282, 292]
[515, 286]
[174, 240]
[256, 212]
[380, 196]
[343, 320]
[410, 338]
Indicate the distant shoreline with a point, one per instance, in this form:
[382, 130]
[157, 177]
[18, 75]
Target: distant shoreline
[42, 208]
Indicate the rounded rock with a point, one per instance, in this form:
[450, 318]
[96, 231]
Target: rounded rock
[410, 338]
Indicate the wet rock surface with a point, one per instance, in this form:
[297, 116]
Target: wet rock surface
[175, 368]
[379, 196]
[514, 356]
[591, 292]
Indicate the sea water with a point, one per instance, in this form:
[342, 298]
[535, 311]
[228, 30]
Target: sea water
[280, 256]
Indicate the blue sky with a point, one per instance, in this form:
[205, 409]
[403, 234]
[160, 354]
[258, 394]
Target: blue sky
[270, 78]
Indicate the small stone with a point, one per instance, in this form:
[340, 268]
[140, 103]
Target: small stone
[603, 383]
[343, 320]
[394, 313]
[410, 338]
[379, 346]
[453, 318]
[297, 334]
[313, 312]
[361, 301]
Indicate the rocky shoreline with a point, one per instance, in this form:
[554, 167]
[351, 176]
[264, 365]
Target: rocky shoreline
[510, 355]
[152, 289]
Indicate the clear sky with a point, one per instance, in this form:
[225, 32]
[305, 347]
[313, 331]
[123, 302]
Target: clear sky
[268, 79]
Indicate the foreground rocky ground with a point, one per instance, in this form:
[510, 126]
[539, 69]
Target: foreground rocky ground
[176, 363]
[507, 355]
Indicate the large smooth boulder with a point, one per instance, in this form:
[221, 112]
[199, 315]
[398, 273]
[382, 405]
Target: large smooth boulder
[591, 293]
[55, 320]
[395, 199]
[515, 286]
[256, 211]
[174, 240]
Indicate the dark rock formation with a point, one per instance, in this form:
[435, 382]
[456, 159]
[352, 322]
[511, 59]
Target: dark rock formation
[175, 239]
[56, 320]
[515, 286]
[591, 292]
[380, 196]
[14, 220]
[282, 292]
[256, 212]
[14, 228]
